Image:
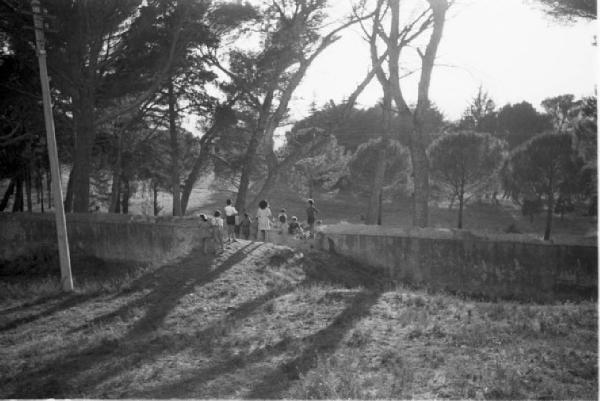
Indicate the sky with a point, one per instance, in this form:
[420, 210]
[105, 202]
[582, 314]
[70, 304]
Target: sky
[509, 47]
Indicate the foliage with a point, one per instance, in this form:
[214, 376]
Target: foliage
[465, 162]
[519, 122]
[544, 167]
[569, 10]
[321, 169]
[364, 160]
[358, 126]
[539, 166]
[481, 115]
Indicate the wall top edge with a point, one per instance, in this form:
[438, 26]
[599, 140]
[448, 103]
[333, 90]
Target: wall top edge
[451, 234]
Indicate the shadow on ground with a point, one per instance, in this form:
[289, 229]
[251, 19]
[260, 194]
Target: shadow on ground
[79, 373]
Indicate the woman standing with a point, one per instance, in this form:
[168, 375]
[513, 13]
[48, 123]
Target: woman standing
[263, 215]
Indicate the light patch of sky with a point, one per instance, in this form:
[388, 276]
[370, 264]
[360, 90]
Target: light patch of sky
[508, 46]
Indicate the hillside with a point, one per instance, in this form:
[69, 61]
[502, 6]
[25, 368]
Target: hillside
[262, 321]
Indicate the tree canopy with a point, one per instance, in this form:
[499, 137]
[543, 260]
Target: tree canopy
[464, 162]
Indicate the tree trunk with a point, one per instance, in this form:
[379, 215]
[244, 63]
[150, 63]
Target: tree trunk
[18, 203]
[380, 210]
[379, 174]
[49, 189]
[257, 134]
[68, 203]
[193, 177]
[267, 186]
[126, 195]
[28, 190]
[420, 166]
[115, 192]
[37, 183]
[40, 189]
[7, 194]
[28, 177]
[240, 201]
[175, 185]
[377, 185]
[460, 210]
[549, 213]
[82, 158]
[155, 199]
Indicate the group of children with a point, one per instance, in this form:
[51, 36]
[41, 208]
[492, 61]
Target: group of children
[249, 228]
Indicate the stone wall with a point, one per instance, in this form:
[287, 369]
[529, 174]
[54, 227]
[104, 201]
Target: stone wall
[458, 261]
[106, 236]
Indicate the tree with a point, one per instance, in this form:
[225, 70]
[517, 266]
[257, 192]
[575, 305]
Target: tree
[464, 162]
[321, 169]
[397, 40]
[519, 122]
[366, 159]
[568, 10]
[541, 167]
[292, 39]
[560, 110]
[23, 156]
[480, 116]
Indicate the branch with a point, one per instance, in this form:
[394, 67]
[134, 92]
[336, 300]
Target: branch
[158, 79]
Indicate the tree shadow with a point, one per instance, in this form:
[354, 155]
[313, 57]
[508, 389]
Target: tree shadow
[173, 281]
[68, 301]
[321, 343]
[79, 374]
[87, 270]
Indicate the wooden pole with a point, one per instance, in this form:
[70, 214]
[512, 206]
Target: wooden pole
[61, 224]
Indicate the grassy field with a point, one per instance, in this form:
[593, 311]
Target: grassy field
[349, 208]
[262, 321]
[477, 215]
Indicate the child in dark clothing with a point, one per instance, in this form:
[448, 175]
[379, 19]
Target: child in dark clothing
[245, 226]
[311, 212]
[282, 221]
[294, 227]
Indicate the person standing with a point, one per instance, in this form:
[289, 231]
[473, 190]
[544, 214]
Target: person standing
[282, 217]
[263, 215]
[311, 212]
[217, 231]
[230, 214]
[245, 226]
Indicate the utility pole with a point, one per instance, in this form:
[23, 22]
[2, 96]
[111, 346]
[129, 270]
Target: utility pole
[61, 224]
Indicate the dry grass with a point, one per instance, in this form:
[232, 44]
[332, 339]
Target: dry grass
[262, 321]
[349, 208]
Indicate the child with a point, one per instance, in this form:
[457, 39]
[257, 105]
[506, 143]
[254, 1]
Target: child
[294, 227]
[245, 226]
[230, 214]
[282, 221]
[311, 212]
[205, 224]
[264, 217]
[217, 227]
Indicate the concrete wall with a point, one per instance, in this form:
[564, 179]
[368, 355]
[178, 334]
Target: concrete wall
[491, 266]
[109, 237]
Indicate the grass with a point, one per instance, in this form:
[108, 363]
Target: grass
[30, 279]
[262, 321]
[349, 208]
[397, 212]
